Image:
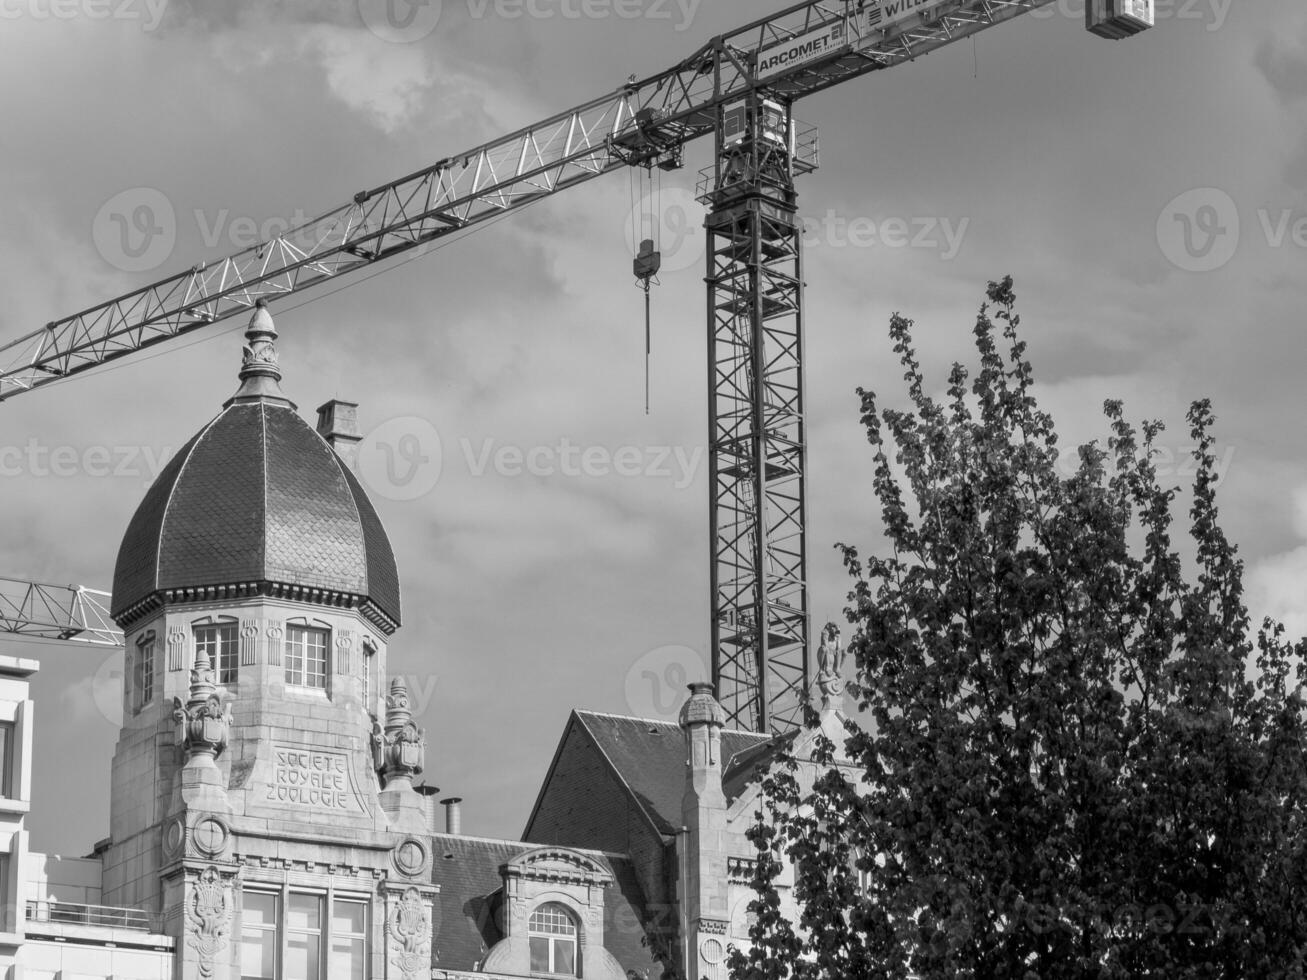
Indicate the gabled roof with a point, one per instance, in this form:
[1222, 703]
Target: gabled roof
[648, 759]
[468, 910]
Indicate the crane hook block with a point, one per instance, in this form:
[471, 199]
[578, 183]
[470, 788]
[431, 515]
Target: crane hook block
[648, 261]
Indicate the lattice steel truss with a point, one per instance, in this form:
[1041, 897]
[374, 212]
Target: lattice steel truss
[757, 452]
[644, 120]
[57, 612]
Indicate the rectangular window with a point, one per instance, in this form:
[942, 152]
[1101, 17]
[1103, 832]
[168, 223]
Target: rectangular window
[295, 940]
[259, 936]
[349, 941]
[306, 657]
[221, 642]
[304, 937]
[7, 759]
[143, 675]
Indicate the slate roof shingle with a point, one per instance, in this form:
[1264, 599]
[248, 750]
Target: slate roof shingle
[257, 496]
[649, 757]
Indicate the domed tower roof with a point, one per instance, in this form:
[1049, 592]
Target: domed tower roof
[257, 503]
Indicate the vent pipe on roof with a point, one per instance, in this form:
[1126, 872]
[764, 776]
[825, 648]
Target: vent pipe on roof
[453, 816]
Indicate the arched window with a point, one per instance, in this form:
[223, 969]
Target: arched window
[552, 931]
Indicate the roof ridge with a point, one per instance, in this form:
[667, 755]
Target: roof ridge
[668, 724]
[172, 491]
[532, 846]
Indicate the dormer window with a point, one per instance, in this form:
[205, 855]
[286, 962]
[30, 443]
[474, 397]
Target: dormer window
[221, 642]
[306, 657]
[552, 932]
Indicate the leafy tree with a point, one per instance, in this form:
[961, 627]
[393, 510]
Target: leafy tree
[1068, 771]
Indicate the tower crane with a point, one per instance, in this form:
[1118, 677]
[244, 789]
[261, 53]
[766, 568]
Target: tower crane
[740, 89]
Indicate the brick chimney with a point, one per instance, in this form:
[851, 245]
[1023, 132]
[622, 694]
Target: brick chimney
[338, 423]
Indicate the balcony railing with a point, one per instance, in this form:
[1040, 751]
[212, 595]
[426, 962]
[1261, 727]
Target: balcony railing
[69, 913]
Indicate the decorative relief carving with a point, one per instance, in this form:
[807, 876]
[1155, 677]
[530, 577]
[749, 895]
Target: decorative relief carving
[249, 642]
[208, 920]
[275, 634]
[408, 932]
[345, 652]
[410, 857]
[713, 927]
[174, 836]
[176, 648]
[740, 871]
[209, 836]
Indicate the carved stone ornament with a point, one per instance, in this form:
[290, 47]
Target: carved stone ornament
[400, 750]
[408, 928]
[208, 920]
[209, 836]
[410, 857]
[830, 668]
[174, 836]
[203, 721]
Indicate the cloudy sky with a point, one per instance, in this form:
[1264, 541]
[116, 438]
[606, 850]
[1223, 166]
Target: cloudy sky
[1150, 196]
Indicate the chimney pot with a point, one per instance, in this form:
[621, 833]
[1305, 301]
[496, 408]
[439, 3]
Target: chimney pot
[453, 816]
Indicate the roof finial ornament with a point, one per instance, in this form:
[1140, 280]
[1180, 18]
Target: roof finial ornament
[830, 668]
[261, 352]
[260, 371]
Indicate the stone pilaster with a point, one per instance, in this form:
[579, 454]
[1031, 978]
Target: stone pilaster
[704, 911]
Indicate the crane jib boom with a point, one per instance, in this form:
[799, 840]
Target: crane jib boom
[797, 52]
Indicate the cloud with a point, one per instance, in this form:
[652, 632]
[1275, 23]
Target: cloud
[1282, 60]
[1275, 584]
[387, 83]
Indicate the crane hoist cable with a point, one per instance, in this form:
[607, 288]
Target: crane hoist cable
[648, 259]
